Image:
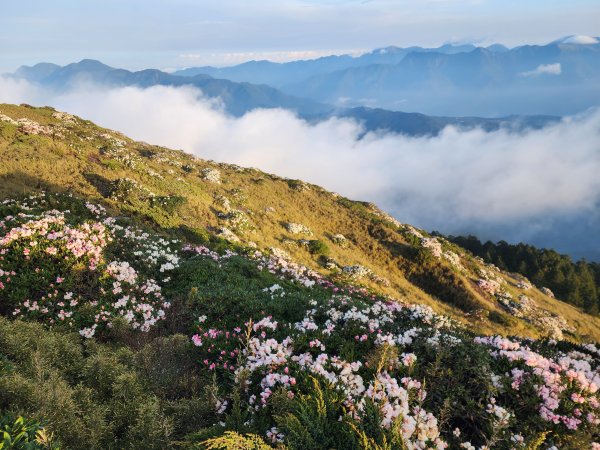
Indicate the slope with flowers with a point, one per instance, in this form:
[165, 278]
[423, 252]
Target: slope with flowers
[163, 301]
[200, 200]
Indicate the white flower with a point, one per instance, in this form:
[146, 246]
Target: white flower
[88, 333]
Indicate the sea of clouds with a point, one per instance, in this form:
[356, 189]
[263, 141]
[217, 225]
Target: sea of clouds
[540, 186]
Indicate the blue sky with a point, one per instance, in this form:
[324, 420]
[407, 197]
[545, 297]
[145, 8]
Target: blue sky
[182, 33]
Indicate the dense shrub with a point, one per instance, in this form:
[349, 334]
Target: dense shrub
[318, 247]
[117, 398]
[234, 290]
[337, 379]
[169, 203]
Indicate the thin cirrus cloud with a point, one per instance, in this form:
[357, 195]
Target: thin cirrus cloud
[143, 33]
[232, 58]
[500, 184]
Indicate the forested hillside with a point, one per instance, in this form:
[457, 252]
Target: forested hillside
[577, 283]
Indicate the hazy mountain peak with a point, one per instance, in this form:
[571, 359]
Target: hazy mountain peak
[89, 64]
[497, 48]
[387, 50]
[37, 71]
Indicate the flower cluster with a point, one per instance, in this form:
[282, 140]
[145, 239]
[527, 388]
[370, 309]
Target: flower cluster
[412, 231]
[238, 220]
[227, 234]
[48, 233]
[434, 245]
[566, 385]
[339, 239]
[272, 357]
[219, 348]
[357, 272]
[170, 159]
[5, 118]
[119, 153]
[547, 291]
[29, 126]
[520, 281]
[127, 189]
[297, 228]
[66, 118]
[202, 250]
[280, 263]
[491, 283]
[223, 202]
[113, 140]
[369, 351]
[83, 275]
[490, 286]
[211, 175]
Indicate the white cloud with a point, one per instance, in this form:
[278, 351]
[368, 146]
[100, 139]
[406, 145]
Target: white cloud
[18, 91]
[580, 40]
[459, 180]
[544, 69]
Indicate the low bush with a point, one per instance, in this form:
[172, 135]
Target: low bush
[318, 247]
[442, 282]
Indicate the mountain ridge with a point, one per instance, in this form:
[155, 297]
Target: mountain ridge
[238, 98]
[466, 75]
[487, 81]
[303, 68]
[242, 98]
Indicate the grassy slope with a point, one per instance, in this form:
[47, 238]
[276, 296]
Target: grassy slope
[76, 163]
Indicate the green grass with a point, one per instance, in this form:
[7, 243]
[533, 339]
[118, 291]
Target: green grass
[76, 164]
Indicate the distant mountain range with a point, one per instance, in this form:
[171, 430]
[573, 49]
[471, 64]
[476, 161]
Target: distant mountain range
[560, 78]
[416, 124]
[239, 98]
[280, 75]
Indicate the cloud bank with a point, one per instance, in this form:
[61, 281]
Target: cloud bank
[580, 40]
[545, 69]
[534, 185]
